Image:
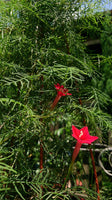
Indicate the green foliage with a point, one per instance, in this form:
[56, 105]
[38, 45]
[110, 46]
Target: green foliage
[41, 45]
[106, 41]
[106, 188]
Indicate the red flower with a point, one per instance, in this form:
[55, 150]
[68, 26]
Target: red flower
[61, 90]
[82, 135]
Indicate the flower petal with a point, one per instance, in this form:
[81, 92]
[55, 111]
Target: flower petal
[82, 135]
[61, 90]
[90, 139]
[57, 86]
[85, 132]
[68, 94]
[76, 132]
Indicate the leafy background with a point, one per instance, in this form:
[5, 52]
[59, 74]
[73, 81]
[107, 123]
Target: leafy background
[43, 43]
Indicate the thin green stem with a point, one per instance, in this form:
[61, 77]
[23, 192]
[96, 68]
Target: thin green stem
[75, 154]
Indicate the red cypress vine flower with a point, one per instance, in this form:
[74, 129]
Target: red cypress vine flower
[82, 136]
[61, 91]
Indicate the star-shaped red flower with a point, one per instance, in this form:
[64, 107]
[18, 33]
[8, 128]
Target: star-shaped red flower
[82, 135]
[61, 90]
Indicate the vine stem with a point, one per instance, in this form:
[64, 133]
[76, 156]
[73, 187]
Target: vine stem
[95, 174]
[41, 142]
[41, 154]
